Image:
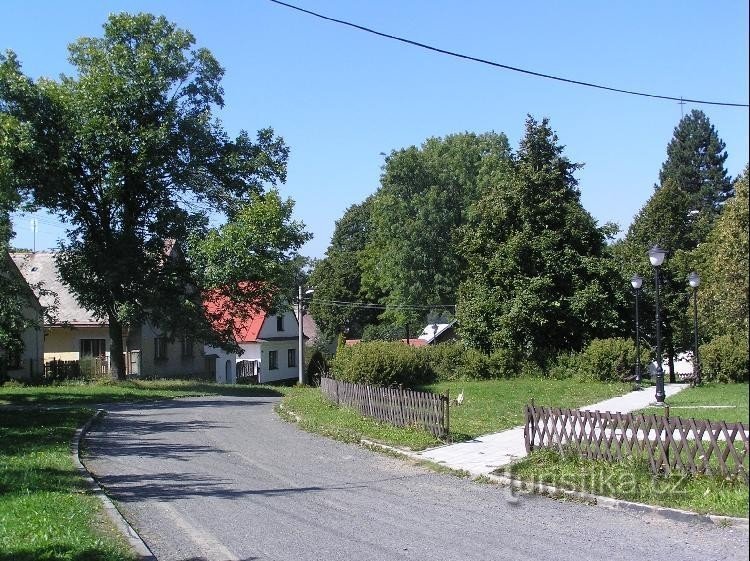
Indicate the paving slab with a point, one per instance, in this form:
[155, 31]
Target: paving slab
[485, 454]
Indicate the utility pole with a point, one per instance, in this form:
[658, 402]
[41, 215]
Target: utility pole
[300, 339]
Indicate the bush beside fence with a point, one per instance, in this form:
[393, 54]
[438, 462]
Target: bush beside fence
[402, 408]
[668, 443]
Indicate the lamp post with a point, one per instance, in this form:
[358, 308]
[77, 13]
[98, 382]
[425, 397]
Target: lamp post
[694, 281]
[301, 334]
[656, 256]
[637, 282]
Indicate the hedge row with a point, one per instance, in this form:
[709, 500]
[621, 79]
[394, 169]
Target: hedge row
[393, 363]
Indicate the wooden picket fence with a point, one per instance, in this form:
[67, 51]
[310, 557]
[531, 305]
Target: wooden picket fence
[668, 443]
[59, 370]
[402, 408]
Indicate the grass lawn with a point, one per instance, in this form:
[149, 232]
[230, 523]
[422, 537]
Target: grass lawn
[489, 406]
[45, 511]
[687, 402]
[632, 480]
[73, 393]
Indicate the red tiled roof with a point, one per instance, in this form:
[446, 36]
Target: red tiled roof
[247, 321]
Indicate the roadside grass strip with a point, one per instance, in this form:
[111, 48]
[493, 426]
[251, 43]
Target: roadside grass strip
[711, 401]
[495, 405]
[108, 391]
[631, 479]
[45, 510]
[314, 413]
[489, 406]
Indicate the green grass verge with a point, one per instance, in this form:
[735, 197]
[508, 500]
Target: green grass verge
[72, 393]
[314, 413]
[632, 480]
[494, 405]
[45, 512]
[686, 403]
[489, 406]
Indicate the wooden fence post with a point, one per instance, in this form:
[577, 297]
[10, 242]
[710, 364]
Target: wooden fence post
[447, 413]
[531, 426]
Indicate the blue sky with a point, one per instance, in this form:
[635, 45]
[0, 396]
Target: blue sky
[340, 97]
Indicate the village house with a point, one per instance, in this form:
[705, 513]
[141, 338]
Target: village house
[27, 364]
[77, 334]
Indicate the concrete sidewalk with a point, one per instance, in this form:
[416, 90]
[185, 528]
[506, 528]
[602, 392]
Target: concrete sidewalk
[486, 453]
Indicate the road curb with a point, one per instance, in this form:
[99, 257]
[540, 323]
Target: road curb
[594, 500]
[140, 549]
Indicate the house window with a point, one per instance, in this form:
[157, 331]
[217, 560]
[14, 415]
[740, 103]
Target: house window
[93, 347]
[291, 357]
[279, 323]
[273, 360]
[160, 348]
[187, 347]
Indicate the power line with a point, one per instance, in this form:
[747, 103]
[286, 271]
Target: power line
[372, 306]
[504, 66]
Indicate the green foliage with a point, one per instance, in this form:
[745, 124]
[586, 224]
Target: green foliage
[606, 360]
[565, 365]
[414, 253]
[725, 358]
[724, 266]
[695, 162]
[539, 279]
[382, 364]
[129, 154]
[383, 332]
[338, 277]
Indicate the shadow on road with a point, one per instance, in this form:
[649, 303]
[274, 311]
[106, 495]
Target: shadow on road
[174, 486]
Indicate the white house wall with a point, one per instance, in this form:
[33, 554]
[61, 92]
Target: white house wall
[225, 364]
[269, 331]
[284, 371]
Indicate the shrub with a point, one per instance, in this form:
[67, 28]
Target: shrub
[505, 363]
[445, 360]
[382, 364]
[565, 365]
[607, 359]
[454, 361]
[725, 359]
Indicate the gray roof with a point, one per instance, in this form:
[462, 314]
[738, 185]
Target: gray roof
[40, 268]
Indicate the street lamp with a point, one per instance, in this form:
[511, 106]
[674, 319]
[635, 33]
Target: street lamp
[656, 256]
[300, 334]
[694, 281]
[637, 282]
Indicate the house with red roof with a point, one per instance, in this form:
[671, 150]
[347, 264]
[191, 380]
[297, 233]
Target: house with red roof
[269, 343]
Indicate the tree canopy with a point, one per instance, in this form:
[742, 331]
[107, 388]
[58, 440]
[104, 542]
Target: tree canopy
[538, 278]
[129, 154]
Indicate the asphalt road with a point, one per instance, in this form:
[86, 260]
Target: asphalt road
[223, 478]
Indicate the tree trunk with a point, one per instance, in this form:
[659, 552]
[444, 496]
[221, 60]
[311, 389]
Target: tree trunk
[670, 361]
[116, 358]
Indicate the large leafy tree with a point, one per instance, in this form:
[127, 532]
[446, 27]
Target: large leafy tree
[337, 278]
[539, 277]
[414, 254]
[129, 154]
[12, 294]
[724, 267]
